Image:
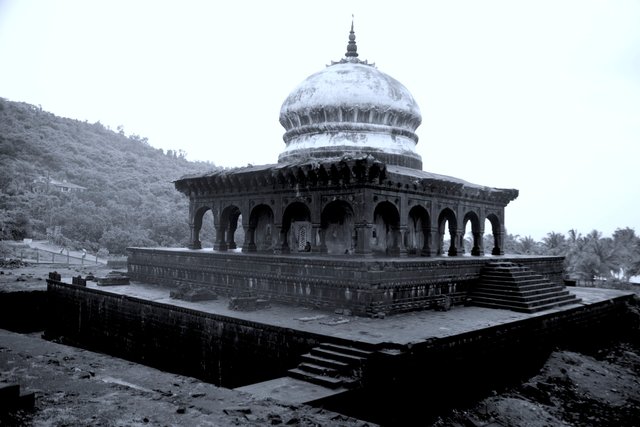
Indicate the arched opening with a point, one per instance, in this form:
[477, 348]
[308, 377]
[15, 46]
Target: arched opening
[493, 242]
[386, 229]
[337, 233]
[226, 229]
[419, 232]
[447, 221]
[473, 243]
[203, 232]
[259, 235]
[296, 228]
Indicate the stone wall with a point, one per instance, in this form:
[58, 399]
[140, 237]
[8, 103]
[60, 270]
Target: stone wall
[225, 351]
[364, 285]
[457, 370]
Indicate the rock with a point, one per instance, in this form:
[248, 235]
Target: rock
[237, 410]
[181, 410]
[274, 419]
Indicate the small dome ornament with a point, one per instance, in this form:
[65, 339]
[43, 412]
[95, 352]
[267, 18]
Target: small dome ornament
[351, 56]
[352, 48]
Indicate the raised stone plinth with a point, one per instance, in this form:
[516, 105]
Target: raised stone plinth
[366, 286]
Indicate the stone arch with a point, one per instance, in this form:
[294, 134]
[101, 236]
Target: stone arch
[498, 235]
[386, 229]
[196, 226]
[337, 232]
[226, 228]
[259, 236]
[419, 232]
[476, 233]
[447, 215]
[296, 222]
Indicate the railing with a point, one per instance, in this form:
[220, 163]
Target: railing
[44, 256]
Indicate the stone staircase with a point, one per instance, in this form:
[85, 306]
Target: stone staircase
[332, 366]
[514, 287]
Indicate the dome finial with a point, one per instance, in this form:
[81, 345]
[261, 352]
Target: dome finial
[352, 49]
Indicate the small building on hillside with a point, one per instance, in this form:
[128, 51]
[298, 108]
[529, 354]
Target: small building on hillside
[47, 185]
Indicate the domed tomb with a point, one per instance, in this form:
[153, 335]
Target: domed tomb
[351, 108]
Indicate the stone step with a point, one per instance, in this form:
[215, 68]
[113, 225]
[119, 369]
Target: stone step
[514, 287]
[505, 306]
[323, 361]
[353, 351]
[569, 299]
[526, 294]
[534, 278]
[318, 369]
[336, 355]
[323, 380]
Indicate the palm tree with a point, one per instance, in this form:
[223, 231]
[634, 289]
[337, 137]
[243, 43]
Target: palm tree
[555, 244]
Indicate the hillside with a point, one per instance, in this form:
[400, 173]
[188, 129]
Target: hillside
[129, 198]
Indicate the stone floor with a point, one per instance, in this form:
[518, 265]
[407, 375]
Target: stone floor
[399, 329]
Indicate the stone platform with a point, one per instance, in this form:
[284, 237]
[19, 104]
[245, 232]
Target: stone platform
[442, 352]
[364, 286]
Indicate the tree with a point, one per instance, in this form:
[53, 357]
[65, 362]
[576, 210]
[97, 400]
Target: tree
[627, 246]
[554, 244]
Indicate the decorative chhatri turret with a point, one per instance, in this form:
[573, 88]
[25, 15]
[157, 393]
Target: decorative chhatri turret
[352, 48]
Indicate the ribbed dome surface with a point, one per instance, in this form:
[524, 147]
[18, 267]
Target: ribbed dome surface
[351, 107]
[347, 84]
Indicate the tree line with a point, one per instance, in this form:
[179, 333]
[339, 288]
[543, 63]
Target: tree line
[588, 258]
[129, 199]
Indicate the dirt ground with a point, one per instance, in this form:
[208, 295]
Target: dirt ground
[75, 387]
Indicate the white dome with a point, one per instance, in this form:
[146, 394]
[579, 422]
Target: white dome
[351, 107]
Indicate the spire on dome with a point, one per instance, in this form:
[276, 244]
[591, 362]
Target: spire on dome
[352, 49]
[351, 57]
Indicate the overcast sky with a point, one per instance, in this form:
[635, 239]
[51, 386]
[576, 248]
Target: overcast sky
[542, 96]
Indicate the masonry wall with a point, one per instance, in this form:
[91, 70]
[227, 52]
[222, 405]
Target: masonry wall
[363, 285]
[221, 350]
[453, 371]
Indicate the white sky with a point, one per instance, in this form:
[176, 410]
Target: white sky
[542, 96]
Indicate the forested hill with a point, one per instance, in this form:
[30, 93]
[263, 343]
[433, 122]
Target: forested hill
[129, 199]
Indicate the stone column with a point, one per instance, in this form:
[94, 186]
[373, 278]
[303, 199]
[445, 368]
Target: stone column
[194, 240]
[454, 238]
[315, 237]
[249, 244]
[428, 248]
[282, 246]
[231, 238]
[364, 232]
[220, 244]
[323, 243]
[401, 235]
[478, 246]
[498, 243]
[460, 245]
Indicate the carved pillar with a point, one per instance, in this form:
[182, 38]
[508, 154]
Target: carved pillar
[454, 239]
[323, 243]
[315, 237]
[364, 232]
[220, 244]
[498, 248]
[249, 244]
[460, 245]
[282, 246]
[478, 247]
[428, 248]
[231, 238]
[401, 235]
[194, 241]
